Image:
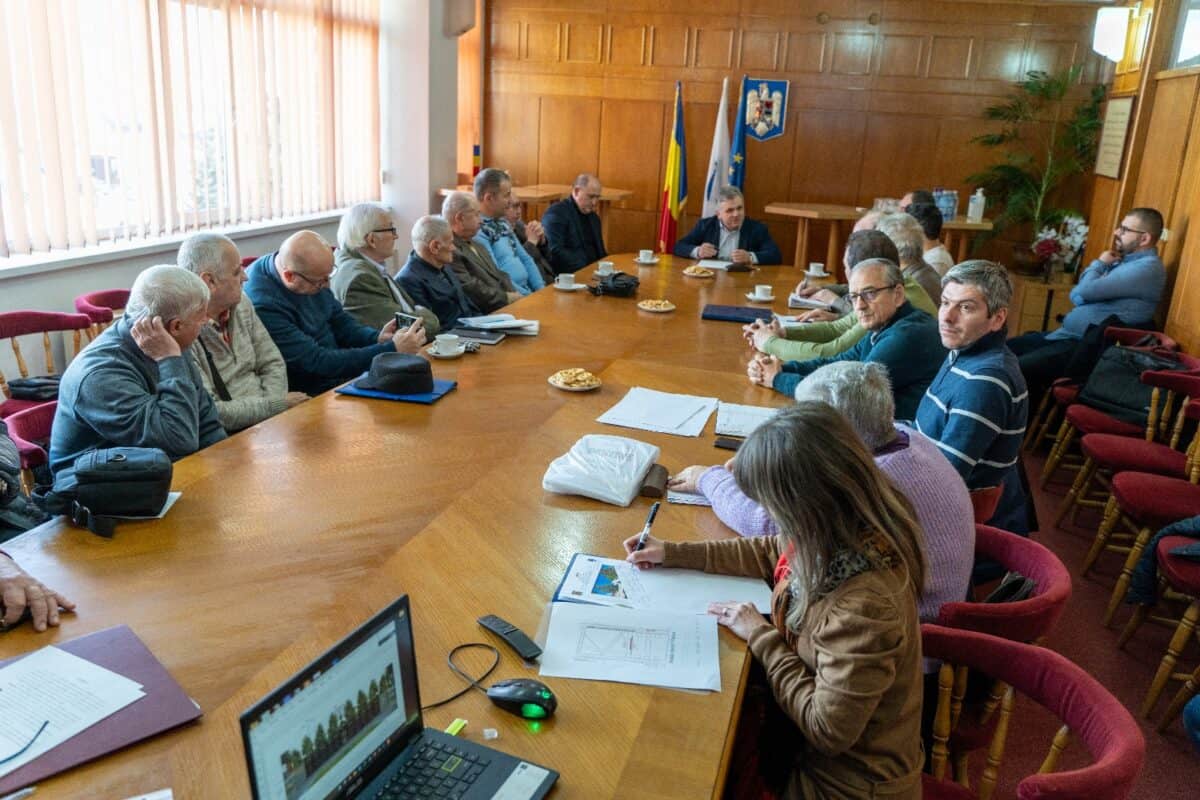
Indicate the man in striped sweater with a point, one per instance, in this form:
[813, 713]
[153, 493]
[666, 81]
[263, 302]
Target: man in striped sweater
[977, 405]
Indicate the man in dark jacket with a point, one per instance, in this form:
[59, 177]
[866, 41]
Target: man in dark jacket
[730, 235]
[427, 276]
[573, 227]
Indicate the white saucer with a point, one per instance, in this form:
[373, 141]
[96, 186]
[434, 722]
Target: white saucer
[574, 287]
[433, 353]
[752, 297]
[812, 274]
[645, 263]
[600, 274]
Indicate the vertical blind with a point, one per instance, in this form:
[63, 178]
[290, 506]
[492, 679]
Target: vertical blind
[136, 119]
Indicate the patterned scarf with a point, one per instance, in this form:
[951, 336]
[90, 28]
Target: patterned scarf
[496, 229]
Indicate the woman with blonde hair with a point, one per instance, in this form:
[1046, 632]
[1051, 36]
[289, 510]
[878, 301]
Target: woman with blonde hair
[842, 655]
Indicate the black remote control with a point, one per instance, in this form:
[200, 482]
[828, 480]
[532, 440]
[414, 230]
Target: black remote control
[513, 636]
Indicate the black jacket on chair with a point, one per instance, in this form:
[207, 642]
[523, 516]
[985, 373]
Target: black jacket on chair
[752, 236]
[575, 239]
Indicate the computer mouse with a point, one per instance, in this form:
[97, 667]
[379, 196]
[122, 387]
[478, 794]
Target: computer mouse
[524, 697]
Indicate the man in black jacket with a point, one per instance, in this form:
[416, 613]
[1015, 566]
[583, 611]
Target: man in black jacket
[730, 235]
[573, 227]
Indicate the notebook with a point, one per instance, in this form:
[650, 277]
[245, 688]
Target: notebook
[440, 389]
[742, 314]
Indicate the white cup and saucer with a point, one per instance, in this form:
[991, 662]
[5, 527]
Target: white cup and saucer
[816, 270]
[603, 269]
[646, 257]
[763, 293]
[565, 282]
[446, 345]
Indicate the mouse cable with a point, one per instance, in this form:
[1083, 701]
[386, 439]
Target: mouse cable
[472, 682]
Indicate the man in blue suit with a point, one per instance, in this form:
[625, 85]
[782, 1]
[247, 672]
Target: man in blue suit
[730, 235]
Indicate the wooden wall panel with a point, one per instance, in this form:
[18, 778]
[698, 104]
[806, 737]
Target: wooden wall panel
[897, 153]
[1181, 253]
[511, 136]
[568, 138]
[1165, 143]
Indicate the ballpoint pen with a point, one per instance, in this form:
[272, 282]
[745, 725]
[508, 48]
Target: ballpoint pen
[641, 542]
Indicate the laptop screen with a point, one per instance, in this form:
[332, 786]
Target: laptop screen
[341, 719]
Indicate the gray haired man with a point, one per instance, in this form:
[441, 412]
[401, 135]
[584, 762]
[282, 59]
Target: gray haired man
[133, 386]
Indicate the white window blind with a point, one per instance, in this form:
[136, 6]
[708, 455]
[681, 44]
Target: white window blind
[136, 119]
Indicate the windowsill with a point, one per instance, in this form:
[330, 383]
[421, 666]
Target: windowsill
[38, 263]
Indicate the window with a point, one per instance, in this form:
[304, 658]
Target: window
[136, 119]
[1187, 38]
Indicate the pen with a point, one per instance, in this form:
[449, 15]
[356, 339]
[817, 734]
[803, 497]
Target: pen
[641, 542]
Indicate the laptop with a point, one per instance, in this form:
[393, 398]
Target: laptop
[349, 726]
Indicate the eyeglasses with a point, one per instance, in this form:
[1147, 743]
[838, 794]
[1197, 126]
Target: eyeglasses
[391, 230]
[321, 284]
[1122, 230]
[868, 295]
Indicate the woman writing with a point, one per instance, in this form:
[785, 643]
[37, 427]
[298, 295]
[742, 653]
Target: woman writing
[843, 653]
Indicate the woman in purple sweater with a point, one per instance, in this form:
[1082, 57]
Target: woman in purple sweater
[862, 393]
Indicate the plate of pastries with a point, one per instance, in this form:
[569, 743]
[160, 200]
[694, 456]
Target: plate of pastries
[657, 306]
[574, 379]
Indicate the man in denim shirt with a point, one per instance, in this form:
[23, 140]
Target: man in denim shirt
[493, 188]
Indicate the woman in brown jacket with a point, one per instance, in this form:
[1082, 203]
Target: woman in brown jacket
[843, 652]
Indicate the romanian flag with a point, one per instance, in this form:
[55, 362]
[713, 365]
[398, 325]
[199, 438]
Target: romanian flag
[675, 185]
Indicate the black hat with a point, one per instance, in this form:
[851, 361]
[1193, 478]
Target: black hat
[398, 373]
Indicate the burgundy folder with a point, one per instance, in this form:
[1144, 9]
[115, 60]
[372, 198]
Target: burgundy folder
[164, 706]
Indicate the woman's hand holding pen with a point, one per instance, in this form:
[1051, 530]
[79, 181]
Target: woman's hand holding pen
[651, 554]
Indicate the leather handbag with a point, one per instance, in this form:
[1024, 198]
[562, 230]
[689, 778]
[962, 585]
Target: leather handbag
[110, 483]
[41, 388]
[1115, 385]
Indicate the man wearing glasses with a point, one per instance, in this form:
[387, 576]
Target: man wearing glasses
[573, 227]
[902, 338]
[1126, 281]
[321, 344]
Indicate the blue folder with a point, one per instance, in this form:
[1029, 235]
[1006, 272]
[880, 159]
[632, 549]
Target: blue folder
[742, 314]
[440, 388]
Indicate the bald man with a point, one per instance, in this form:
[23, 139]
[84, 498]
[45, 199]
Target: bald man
[322, 345]
[573, 227]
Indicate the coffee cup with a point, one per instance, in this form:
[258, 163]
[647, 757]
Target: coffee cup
[816, 268]
[762, 290]
[645, 255]
[445, 344]
[605, 268]
[565, 280]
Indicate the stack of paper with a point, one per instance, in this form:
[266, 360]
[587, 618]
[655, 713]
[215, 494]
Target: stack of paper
[687, 498]
[663, 412]
[613, 582]
[502, 322]
[796, 301]
[739, 420]
[714, 263]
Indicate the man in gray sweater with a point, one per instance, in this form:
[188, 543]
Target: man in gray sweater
[133, 386]
[239, 363]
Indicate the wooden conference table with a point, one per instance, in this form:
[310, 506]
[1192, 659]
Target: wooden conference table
[956, 231]
[290, 534]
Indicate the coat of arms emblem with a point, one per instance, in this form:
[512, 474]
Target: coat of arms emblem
[766, 107]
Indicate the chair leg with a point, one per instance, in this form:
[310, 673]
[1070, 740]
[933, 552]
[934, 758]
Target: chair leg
[1066, 434]
[1078, 489]
[1111, 516]
[1135, 621]
[1038, 422]
[1185, 693]
[1183, 633]
[1135, 552]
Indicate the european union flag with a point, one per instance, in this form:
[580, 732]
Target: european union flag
[737, 156]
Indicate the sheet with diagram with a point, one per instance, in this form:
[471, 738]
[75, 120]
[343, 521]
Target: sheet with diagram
[632, 645]
[612, 582]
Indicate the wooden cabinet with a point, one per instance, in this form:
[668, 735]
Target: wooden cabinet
[1036, 305]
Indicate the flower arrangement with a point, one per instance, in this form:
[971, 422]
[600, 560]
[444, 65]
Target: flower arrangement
[1063, 245]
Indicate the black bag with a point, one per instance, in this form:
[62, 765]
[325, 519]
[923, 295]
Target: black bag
[116, 482]
[41, 388]
[618, 284]
[1115, 385]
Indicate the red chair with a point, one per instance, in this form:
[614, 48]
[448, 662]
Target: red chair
[99, 306]
[984, 502]
[23, 323]
[1086, 708]
[29, 429]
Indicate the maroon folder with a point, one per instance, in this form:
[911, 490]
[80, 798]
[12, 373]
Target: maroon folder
[164, 706]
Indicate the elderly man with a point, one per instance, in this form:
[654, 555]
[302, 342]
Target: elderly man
[935, 253]
[485, 284]
[1126, 281]
[493, 190]
[21, 593]
[240, 365]
[134, 386]
[730, 235]
[861, 393]
[910, 243]
[976, 406]
[426, 278]
[573, 227]
[899, 336]
[361, 283]
[321, 344]
[828, 338]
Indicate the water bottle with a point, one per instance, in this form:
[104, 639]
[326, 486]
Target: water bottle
[976, 207]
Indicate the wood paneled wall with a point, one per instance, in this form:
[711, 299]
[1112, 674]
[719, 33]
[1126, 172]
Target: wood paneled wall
[885, 94]
[1178, 106]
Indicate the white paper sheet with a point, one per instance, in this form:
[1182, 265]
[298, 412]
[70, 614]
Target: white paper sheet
[161, 794]
[171, 498]
[796, 301]
[496, 322]
[614, 582]
[52, 686]
[687, 498]
[715, 263]
[663, 412]
[654, 648]
[739, 420]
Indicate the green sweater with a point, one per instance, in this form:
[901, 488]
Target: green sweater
[825, 339]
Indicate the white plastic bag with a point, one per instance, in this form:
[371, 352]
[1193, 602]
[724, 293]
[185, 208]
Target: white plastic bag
[608, 468]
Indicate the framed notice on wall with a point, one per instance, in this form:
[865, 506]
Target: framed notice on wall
[1112, 136]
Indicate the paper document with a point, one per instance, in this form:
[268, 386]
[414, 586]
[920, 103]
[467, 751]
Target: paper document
[171, 498]
[663, 412]
[655, 648]
[614, 582]
[49, 696]
[687, 498]
[795, 301]
[493, 322]
[161, 794]
[714, 263]
[739, 420]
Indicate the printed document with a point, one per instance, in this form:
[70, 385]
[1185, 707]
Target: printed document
[687, 498]
[614, 582]
[662, 412]
[51, 695]
[714, 263]
[739, 420]
[655, 648]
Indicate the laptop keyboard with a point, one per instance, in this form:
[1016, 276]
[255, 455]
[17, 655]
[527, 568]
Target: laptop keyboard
[438, 770]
